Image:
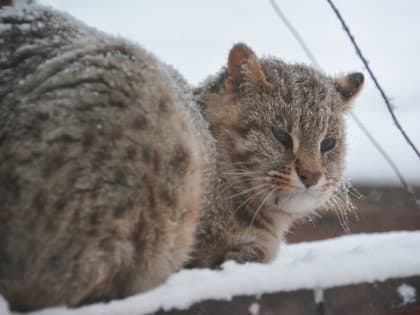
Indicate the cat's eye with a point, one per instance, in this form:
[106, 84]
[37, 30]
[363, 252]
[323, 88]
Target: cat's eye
[283, 137]
[327, 144]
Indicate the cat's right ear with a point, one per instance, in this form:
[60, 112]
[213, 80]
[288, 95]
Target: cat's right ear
[244, 70]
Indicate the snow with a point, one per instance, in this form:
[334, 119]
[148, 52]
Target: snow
[5, 28]
[254, 309]
[314, 265]
[407, 293]
[318, 295]
[195, 37]
[3, 306]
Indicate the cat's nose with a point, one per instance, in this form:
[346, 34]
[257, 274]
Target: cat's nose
[308, 178]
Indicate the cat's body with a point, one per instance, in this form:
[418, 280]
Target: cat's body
[109, 169]
[102, 167]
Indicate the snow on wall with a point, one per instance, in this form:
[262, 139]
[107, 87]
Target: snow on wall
[407, 293]
[314, 265]
[254, 309]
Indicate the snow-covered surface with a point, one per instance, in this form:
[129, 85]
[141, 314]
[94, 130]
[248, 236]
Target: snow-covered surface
[254, 308]
[315, 265]
[195, 37]
[318, 295]
[3, 306]
[407, 293]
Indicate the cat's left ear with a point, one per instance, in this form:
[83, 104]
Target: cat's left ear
[349, 86]
[244, 70]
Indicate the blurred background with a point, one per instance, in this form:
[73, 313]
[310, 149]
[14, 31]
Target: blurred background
[195, 37]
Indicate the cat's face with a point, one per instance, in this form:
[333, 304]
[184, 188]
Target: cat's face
[280, 133]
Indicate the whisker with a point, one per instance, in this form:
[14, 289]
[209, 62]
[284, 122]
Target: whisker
[312, 219]
[247, 191]
[343, 195]
[260, 207]
[239, 163]
[341, 218]
[352, 191]
[341, 204]
[288, 185]
[244, 178]
[242, 174]
[232, 182]
[249, 199]
[277, 174]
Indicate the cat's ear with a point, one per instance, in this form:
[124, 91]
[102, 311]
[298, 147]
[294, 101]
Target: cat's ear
[244, 70]
[349, 86]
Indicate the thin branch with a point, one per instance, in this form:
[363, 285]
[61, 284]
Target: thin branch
[372, 76]
[295, 34]
[385, 155]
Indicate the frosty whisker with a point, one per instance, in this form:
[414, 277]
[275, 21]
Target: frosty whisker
[248, 200]
[260, 206]
[247, 190]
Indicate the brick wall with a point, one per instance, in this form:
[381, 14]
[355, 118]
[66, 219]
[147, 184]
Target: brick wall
[379, 298]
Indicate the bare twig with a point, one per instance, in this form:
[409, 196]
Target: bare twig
[372, 76]
[295, 34]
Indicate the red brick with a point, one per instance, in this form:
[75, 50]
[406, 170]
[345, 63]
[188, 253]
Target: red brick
[379, 298]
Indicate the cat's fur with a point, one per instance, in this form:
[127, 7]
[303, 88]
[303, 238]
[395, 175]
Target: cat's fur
[107, 165]
[102, 163]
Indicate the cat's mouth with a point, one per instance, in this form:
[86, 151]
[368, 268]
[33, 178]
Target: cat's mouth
[301, 202]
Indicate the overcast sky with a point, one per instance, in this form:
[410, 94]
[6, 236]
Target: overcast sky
[195, 37]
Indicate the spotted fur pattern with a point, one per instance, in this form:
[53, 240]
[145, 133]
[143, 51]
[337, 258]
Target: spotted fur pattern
[102, 170]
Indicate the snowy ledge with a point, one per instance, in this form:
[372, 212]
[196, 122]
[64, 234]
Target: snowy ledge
[315, 265]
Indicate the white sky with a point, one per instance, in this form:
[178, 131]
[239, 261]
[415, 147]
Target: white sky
[195, 37]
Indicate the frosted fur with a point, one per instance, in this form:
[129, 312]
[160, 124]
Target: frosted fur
[104, 163]
[266, 182]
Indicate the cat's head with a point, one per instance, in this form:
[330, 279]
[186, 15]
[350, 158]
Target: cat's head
[279, 130]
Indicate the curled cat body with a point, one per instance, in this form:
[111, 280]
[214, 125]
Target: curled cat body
[103, 163]
[115, 173]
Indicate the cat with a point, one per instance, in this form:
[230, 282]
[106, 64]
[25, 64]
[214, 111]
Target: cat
[280, 141]
[116, 173]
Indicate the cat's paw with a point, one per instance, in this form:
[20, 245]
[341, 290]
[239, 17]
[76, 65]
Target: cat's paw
[247, 253]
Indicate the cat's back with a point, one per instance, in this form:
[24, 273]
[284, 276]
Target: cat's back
[102, 166]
